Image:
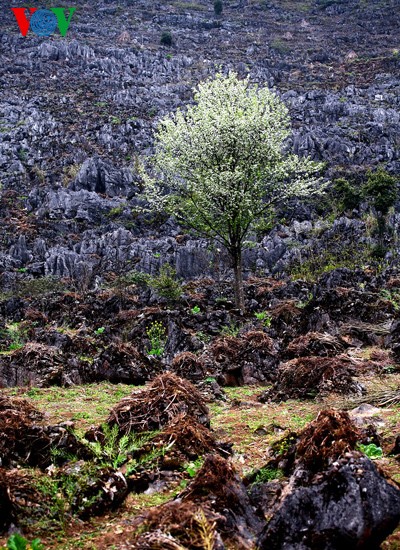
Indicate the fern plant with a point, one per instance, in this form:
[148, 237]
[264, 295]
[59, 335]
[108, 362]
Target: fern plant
[116, 450]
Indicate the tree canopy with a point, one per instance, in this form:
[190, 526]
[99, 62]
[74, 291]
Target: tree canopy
[221, 163]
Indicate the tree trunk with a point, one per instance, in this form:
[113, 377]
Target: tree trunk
[238, 286]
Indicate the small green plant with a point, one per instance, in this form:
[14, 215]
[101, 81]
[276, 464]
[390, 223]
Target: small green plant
[99, 331]
[280, 46]
[116, 211]
[148, 459]
[115, 450]
[195, 310]
[392, 297]
[346, 195]
[268, 474]
[152, 112]
[389, 369]
[230, 330]
[283, 445]
[22, 270]
[138, 278]
[372, 451]
[166, 39]
[18, 542]
[303, 303]
[265, 318]
[14, 334]
[157, 336]
[57, 506]
[193, 467]
[206, 338]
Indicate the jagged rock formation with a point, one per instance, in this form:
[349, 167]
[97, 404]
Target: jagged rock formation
[68, 142]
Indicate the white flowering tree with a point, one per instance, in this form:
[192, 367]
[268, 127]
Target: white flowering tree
[219, 165]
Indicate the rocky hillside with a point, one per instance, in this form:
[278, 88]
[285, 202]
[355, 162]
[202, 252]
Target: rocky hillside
[76, 112]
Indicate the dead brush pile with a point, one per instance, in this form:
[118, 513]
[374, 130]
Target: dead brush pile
[259, 340]
[187, 438]
[24, 441]
[321, 442]
[325, 439]
[227, 349]
[213, 508]
[189, 366]
[218, 486]
[315, 343]
[307, 377]
[248, 359]
[33, 362]
[18, 431]
[23, 499]
[230, 349]
[152, 408]
[179, 525]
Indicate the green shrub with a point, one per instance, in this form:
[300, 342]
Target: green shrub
[268, 474]
[165, 284]
[231, 330]
[15, 335]
[193, 467]
[264, 317]
[381, 188]
[166, 38]
[138, 278]
[280, 46]
[116, 211]
[218, 7]
[115, 450]
[347, 194]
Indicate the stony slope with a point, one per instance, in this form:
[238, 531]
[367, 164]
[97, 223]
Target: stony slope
[75, 112]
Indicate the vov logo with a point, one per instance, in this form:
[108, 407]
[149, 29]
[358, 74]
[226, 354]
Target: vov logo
[43, 22]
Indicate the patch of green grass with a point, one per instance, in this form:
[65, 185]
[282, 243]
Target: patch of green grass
[87, 405]
[242, 391]
[268, 474]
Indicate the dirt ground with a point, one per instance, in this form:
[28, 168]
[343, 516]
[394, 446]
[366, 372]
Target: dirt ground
[252, 427]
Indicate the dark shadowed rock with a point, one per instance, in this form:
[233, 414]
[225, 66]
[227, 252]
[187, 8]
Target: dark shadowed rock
[353, 506]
